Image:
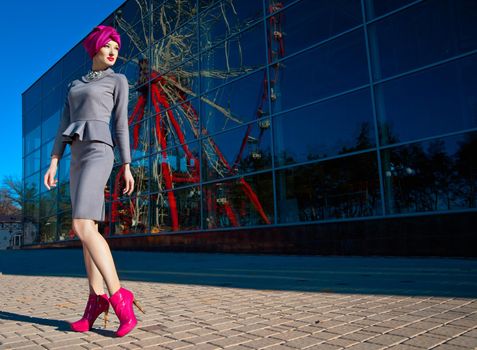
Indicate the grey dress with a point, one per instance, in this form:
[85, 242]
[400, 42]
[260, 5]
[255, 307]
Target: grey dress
[85, 126]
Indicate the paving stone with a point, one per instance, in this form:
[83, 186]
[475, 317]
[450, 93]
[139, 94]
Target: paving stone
[358, 336]
[290, 335]
[387, 339]
[19, 344]
[206, 346]
[403, 347]
[262, 343]
[229, 341]
[407, 331]
[448, 347]
[342, 342]
[464, 341]
[278, 347]
[202, 317]
[204, 338]
[366, 346]
[424, 341]
[445, 331]
[303, 343]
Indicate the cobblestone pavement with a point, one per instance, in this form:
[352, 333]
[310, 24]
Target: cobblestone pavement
[34, 310]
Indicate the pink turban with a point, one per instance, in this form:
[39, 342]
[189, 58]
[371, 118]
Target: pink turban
[99, 37]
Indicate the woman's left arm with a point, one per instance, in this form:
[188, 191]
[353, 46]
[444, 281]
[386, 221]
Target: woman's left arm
[121, 129]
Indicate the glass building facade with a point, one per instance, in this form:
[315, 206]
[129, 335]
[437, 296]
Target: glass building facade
[266, 114]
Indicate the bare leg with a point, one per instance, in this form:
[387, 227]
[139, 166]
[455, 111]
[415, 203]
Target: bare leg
[95, 279]
[99, 252]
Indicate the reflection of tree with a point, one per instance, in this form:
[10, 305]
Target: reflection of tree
[466, 168]
[344, 187]
[251, 163]
[419, 177]
[387, 136]
[363, 140]
[431, 179]
[337, 188]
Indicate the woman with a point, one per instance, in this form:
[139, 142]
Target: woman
[90, 103]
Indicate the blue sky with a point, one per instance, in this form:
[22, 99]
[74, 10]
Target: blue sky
[35, 35]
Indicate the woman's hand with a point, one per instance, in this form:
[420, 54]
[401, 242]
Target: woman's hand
[129, 180]
[49, 178]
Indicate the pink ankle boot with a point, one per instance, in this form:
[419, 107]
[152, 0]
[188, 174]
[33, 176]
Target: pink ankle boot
[94, 307]
[122, 302]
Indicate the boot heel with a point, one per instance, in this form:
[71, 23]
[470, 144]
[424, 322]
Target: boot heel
[138, 306]
[106, 317]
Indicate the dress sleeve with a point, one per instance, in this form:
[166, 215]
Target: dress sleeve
[59, 145]
[121, 127]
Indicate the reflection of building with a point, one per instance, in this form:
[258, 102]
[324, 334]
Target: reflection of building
[303, 126]
[10, 231]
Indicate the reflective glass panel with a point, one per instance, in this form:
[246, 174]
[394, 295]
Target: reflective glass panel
[167, 16]
[233, 57]
[46, 149]
[64, 199]
[175, 167]
[32, 186]
[31, 163]
[226, 18]
[138, 107]
[65, 229]
[48, 202]
[136, 70]
[177, 47]
[422, 34]
[307, 22]
[31, 217]
[131, 12]
[177, 210]
[75, 62]
[235, 103]
[341, 125]
[51, 107]
[138, 139]
[48, 229]
[427, 103]
[105, 226]
[140, 172]
[436, 175]
[376, 8]
[172, 84]
[32, 129]
[246, 201]
[31, 210]
[32, 96]
[176, 125]
[63, 172]
[326, 70]
[130, 215]
[239, 151]
[52, 78]
[333, 189]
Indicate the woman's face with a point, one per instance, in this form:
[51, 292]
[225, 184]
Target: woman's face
[108, 54]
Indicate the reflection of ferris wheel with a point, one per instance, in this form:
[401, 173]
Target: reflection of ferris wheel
[173, 89]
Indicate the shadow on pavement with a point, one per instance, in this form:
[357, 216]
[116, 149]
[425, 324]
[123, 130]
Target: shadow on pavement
[60, 325]
[447, 277]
